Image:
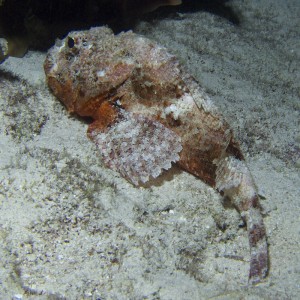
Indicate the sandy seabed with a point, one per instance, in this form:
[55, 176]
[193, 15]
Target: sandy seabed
[72, 229]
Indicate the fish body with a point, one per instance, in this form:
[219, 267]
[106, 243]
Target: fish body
[148, 113]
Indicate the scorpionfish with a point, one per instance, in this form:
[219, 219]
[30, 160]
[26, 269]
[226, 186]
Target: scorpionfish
[148, 113]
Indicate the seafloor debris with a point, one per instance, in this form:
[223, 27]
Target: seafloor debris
[147, 113]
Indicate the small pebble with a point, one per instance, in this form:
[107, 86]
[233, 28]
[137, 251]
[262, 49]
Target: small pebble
[297, 138]
[297, 164]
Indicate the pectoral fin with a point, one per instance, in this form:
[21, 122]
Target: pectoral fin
[137, 147]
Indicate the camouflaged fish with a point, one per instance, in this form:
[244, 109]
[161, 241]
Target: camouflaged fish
[148, 113]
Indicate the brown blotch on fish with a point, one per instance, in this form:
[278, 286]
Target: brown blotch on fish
[257, 233]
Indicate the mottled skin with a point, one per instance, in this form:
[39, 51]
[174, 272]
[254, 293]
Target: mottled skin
[99, 75]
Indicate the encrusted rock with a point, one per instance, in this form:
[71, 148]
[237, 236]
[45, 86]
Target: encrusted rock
[3, 49]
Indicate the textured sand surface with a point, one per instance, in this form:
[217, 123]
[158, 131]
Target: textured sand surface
[72, 229]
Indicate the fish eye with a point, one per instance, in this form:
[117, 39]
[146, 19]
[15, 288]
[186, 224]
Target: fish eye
[71, 42]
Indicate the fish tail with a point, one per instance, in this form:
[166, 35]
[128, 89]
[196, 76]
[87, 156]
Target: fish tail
[233, 178]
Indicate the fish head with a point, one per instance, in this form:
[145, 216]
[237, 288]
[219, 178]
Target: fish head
[85, 68]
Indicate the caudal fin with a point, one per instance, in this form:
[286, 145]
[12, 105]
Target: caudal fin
[233, 178]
